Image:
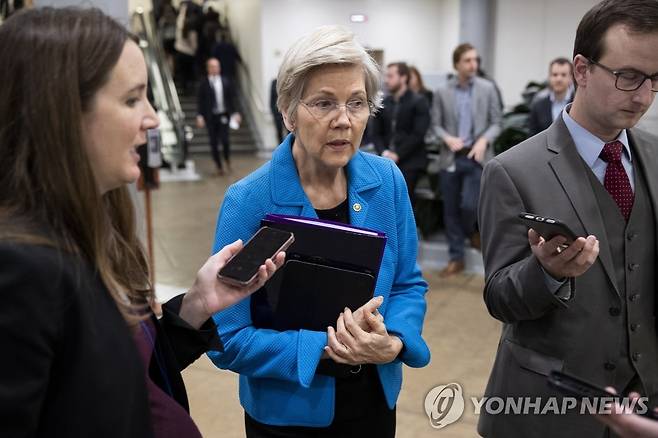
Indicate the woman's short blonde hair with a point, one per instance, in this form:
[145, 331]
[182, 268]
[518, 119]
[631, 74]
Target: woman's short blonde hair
[327, 45]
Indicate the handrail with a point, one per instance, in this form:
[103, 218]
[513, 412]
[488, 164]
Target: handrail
[162, 86]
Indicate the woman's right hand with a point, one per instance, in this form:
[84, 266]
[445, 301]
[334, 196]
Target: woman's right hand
[372, 307]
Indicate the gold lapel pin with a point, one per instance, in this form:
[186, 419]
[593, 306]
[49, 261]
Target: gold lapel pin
[356, 207]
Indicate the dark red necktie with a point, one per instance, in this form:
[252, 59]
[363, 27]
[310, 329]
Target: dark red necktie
[616, 180]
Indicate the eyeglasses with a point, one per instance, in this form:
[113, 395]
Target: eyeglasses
[629, 80]
[324, 109]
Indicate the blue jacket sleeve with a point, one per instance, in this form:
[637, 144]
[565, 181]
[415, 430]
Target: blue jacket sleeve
[405, 310]
[291, 355]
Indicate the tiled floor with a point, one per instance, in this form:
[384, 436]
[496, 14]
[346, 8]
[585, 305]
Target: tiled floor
[460, 333]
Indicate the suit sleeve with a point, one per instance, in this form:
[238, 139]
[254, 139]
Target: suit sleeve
[405, 310]
[291, 355]
[515, 288]
[437, 116]
[494, 116]
[408, 143]
[29, 329]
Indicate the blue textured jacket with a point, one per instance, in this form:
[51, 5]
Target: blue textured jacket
[278, 385]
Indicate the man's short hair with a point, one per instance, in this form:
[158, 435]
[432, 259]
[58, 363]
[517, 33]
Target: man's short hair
[459, 52]
[641, 16]
[560, 61]
[403, 69]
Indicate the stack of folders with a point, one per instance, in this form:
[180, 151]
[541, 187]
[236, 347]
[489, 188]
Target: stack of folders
[330, 266]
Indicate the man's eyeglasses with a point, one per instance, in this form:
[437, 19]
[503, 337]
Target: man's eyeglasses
[629, 80]
[323, 109]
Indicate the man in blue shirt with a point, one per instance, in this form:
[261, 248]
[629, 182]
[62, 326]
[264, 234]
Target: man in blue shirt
[466, 115]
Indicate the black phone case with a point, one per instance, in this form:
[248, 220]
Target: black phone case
[547, 227]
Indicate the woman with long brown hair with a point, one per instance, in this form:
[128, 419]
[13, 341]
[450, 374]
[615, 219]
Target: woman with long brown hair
[82, 353]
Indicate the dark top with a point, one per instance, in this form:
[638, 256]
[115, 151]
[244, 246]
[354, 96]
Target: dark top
[70, 365]
[401, 126]
[206, 100]
[355, 386]
[168, 418]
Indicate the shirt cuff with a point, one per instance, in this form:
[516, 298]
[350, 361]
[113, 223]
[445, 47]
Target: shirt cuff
[559, 288]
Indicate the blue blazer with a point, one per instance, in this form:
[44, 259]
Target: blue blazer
[278, 384]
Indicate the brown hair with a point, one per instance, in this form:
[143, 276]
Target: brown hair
[402, 67]
[55, 60]
[414, 71]
[641, 16]
[459, 52]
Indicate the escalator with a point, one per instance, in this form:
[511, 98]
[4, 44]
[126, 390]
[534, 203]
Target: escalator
[175, 133]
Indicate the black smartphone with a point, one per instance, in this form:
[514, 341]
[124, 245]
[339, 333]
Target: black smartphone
[579, 388]
[242, 268]
[548, 227]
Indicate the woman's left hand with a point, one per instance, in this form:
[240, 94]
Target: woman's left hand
[349, 344]
[209, 295]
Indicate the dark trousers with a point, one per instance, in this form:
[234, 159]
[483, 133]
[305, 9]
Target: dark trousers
[218, 132]
[411, 178]
[460, 191]
[361, 411]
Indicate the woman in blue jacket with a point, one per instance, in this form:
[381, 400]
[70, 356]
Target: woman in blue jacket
[343, 382]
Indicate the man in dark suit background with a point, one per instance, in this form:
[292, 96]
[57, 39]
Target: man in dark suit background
[215, 109]
[589, 308]
[545, 109]
[400, 127]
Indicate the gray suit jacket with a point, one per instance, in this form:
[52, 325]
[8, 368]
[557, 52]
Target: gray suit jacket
[546, 175]
[487, 116]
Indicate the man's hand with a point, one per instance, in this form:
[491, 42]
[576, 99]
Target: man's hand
[560, 263]
[478, 150]
[454, 143]
[200, 123]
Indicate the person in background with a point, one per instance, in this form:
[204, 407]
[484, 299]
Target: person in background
[215, 108]
[86, 356]
[228, 56]
[467, 117]
[167, 26]
[399, 128]
[186, 45]
[343, 382]
[560, 84]
[276, 114]
[417, 85]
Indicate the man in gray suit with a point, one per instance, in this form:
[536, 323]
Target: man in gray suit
[466, 115]
[587, 309]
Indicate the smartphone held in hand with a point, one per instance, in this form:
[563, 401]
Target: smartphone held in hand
[548, 227]
[242, 268]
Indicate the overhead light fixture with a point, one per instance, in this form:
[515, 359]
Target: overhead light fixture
[358, 18]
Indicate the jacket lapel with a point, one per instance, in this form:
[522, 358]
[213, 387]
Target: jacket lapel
[647, 157]
[361, 177]
[570, 170]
